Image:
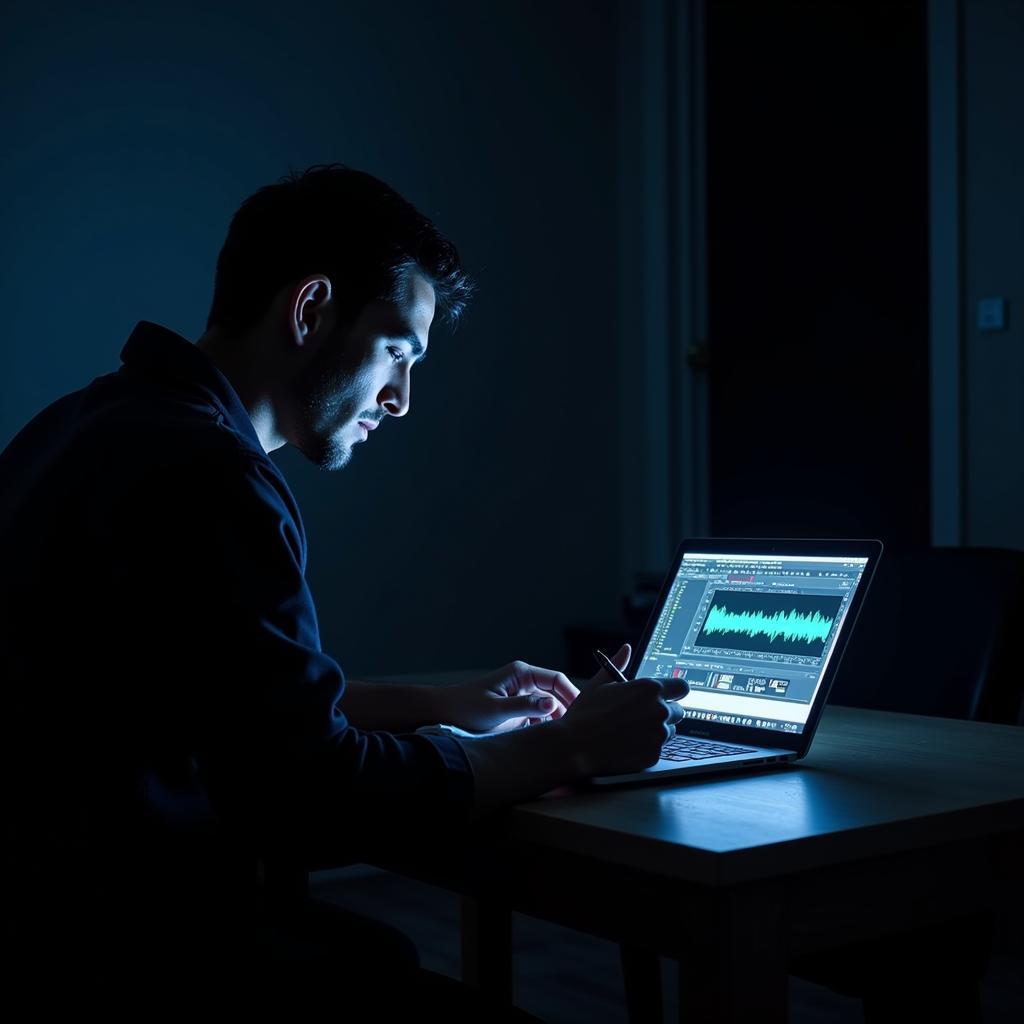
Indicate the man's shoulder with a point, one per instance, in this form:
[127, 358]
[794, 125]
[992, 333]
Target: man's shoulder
[120, 444]
[166, 428]
[157, 443]
[206, 450]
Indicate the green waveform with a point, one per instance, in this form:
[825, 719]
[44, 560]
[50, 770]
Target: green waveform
[789, 625]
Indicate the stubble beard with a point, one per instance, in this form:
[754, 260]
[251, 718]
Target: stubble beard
[327, 452]
[321, 404]
[334, 455]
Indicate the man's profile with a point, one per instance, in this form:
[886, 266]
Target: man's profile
[172, 722]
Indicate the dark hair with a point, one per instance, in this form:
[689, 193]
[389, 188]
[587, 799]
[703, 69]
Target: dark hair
[333, 220]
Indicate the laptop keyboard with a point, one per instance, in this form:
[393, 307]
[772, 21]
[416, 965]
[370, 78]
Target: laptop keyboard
[683, 748]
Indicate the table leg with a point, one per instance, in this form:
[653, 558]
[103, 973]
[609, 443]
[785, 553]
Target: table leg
[487, 947]
[641, 980]
[737, 966]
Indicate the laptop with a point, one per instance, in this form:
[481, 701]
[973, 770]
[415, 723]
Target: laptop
[757, 629]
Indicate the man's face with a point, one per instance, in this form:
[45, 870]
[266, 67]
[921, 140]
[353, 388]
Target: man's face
[360, 376]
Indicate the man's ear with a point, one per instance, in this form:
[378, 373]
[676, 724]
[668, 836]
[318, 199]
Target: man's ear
[309, 310]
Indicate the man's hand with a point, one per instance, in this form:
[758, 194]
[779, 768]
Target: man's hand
[621, 727]
[620, 660]
[511, 697]
[606, 728]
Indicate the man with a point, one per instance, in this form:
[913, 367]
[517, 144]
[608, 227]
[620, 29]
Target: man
[171, 722]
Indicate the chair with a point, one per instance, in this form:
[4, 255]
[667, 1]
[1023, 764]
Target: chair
[936, 636]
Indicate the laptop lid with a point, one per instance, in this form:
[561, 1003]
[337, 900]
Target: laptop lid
[757, 628]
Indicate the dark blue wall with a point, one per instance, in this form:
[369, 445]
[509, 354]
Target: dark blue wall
[468, 533]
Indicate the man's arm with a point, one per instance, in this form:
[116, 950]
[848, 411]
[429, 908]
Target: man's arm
[503, 700]
[393, 707]
[278, 756]
[515, 766]
[609, 728]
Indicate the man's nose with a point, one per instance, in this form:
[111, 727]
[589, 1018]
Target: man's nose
[395, 397]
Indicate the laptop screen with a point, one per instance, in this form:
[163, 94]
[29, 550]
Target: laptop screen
[752, 635]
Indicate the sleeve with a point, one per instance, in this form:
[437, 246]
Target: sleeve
[241, 655]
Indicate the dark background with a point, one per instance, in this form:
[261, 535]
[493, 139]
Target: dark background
[498, 512]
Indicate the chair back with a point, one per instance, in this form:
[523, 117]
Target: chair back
[937, 636]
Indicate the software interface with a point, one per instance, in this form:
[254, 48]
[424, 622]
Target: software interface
[752, 635]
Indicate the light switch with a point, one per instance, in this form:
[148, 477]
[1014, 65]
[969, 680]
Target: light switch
[992, 314]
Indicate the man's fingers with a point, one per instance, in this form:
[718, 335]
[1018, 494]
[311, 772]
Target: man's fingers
[675, 713]
[556, 683]
[620, 660]
[559, 710]
[673, 689]
[536, 704]
[543, 695]
[550, 706]
[560, 685]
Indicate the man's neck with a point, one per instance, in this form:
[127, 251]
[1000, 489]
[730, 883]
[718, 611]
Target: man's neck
[255, 397]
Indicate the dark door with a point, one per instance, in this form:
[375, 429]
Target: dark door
[818, 268]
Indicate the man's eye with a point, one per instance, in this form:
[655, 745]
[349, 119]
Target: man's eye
[396, 353]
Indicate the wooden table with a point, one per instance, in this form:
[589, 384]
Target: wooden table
[891, 821]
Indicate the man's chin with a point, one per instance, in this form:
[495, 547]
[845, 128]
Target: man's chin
[330, 456]
[338, 457]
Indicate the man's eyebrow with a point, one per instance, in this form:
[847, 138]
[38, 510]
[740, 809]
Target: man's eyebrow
[417, 347]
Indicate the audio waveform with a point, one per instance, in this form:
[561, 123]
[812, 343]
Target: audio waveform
[764, 622]
[791, 625]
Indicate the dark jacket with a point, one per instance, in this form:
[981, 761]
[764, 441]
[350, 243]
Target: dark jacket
[169, 716]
